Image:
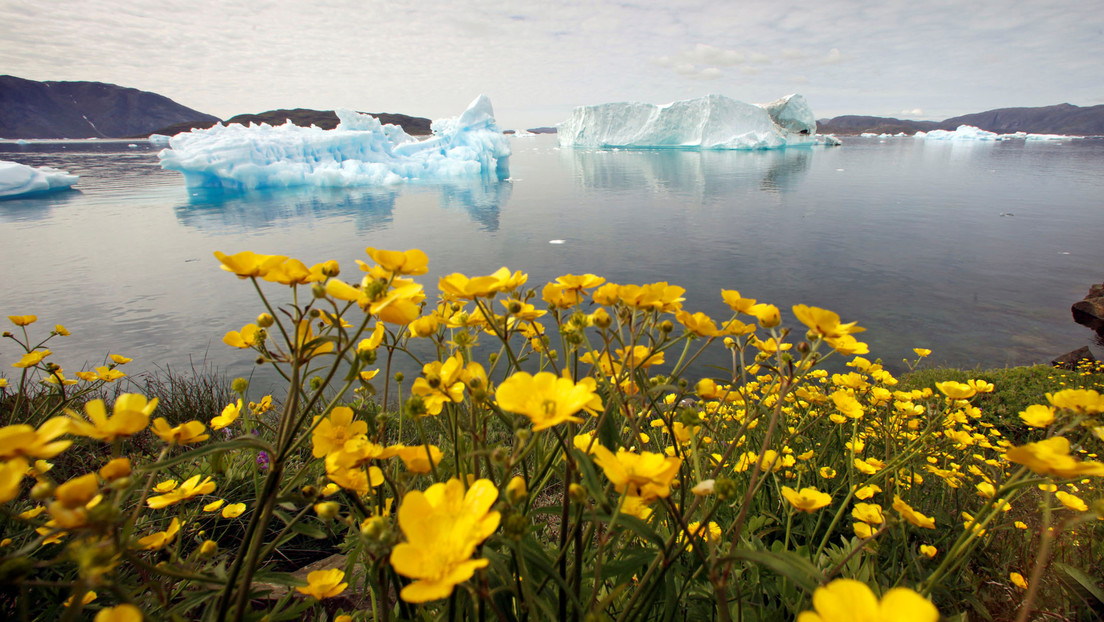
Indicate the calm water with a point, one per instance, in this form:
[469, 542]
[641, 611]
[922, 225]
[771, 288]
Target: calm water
[976, 251]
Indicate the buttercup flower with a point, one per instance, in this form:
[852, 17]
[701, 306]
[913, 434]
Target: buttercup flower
[824, 323]
[1037, 416]
[847, 600]
[443, 526]
[414, 458]
[547, 399]
[32, 358]
[411, 262]
[868, 513]
[101, 373]
[324, 583]
[11, 478]
[229, 415]
[911, 515]
[183, 434]
[192, 487]
[130, 415]
[335, 430]
[1071, 502]
[646, 475]
[956, 390]
[119, 613]
[233, 510]
[23, 320]
[157, 540]
[808, 500]
[1082, 401]
[1018, 580]
[24, 441]
[928, 551]
[247, 263]
[1052, 457]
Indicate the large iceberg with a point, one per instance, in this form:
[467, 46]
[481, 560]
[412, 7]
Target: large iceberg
[20, 180]
[360, 151]
[710, 122]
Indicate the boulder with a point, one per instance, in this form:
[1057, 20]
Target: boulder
[1090, 311]
[1070, 360]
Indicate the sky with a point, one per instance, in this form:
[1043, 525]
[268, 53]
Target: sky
[924, 59]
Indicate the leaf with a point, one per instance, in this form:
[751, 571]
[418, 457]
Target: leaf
[311, 531]
[798, 569]
[1083, 579]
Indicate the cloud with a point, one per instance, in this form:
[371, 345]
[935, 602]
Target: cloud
[690, 71]
[914, 112]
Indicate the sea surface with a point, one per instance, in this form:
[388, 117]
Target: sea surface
[975, 250]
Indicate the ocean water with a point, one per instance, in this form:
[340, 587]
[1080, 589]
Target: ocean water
[974, 250]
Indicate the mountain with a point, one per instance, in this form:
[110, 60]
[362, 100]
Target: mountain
[1060, 119]
[304, 117]
[31, 109]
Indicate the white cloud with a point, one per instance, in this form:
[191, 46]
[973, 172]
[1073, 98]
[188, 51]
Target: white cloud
[690, 71]
[913, 112]
[833, 57]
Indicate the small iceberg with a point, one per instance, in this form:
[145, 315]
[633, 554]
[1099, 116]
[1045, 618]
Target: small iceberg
[710, 122]
[969, 132]
[20, 180]
[360, 151]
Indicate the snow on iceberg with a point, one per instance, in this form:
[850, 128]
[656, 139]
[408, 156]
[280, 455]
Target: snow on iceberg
[20, 180]
[710, 122]
[969, 132]
[360, 151]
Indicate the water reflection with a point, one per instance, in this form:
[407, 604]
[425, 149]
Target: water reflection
[714, 174]
[370, 209]
[36, 207]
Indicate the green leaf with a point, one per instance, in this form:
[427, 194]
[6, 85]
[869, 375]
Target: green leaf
[798, 569]
[1083, 580]
[311, 531]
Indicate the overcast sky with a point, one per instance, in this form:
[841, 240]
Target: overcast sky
[925, 59]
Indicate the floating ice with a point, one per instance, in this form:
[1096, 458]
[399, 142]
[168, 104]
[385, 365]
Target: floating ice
[19, 180]
[969, 132]
[710, 122]
[358, 152]
[159, 140]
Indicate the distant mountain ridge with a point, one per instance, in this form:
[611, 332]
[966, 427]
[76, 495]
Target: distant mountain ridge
[1059, 119]
[305, 117]
[32, 109]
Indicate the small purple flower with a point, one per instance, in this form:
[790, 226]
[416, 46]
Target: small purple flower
[262, 460]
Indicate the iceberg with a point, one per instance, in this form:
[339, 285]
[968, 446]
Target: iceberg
[20, 180]
[360, 151]
[969, 132]
[710, 122]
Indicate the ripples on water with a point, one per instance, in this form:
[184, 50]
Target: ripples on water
[975, 250]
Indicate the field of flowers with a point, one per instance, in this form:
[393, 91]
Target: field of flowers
[554, 460]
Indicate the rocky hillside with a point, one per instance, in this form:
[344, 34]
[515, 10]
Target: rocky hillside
[30, 109]
[304, 117]
[1060, 119]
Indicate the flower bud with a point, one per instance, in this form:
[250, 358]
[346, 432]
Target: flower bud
[327, 509]
[666, 326]
[515, 526]
[265, 320]
[208, 549]
[42, 490]
[239, 385]
[309, 492]
[577, 493]
[373, 528]
[399, 377]
[516, 490]
[724, 488]
[318, 290]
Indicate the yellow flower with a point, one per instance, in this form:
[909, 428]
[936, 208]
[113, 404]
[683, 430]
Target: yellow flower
[824, 323]
[911, 515]
[23, 320]
[868, 513]
[546, 399]
[291, 271]
[1018, 580]
[928, 551]
[210, 507]
[1037, 415]
[1072, 502]
[208, 548]
[71, 500]
[247, 263]
[457, 285]
[119, 613]
[827, 472]
[324, 583]
[192, 487]
[735, 302]
[32, 358]
[24, 441]
[866, 492]
[233, 510]
[652, 297]
[1051, 457]
[101, 373]
[847, 600]
[922, 352]
[414, 458]
[516, 490]
[183, 434]
[61, 330]
[847, 404]
[88, 597]
[157, 541]
[956, 390]
[335, 430]
[119, 359]
[130, 415]
[247, 337]
[11, 478]
[699, 324]
[1081, 401]
[115, 469]
[808, 500]
[443, 526]
[768, 315]
[440, 382]
[646, 475]
[411, 262]
[229, 415]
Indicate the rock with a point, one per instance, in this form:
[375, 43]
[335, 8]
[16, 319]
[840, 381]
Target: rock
[1070, 360]
[1090, 311]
